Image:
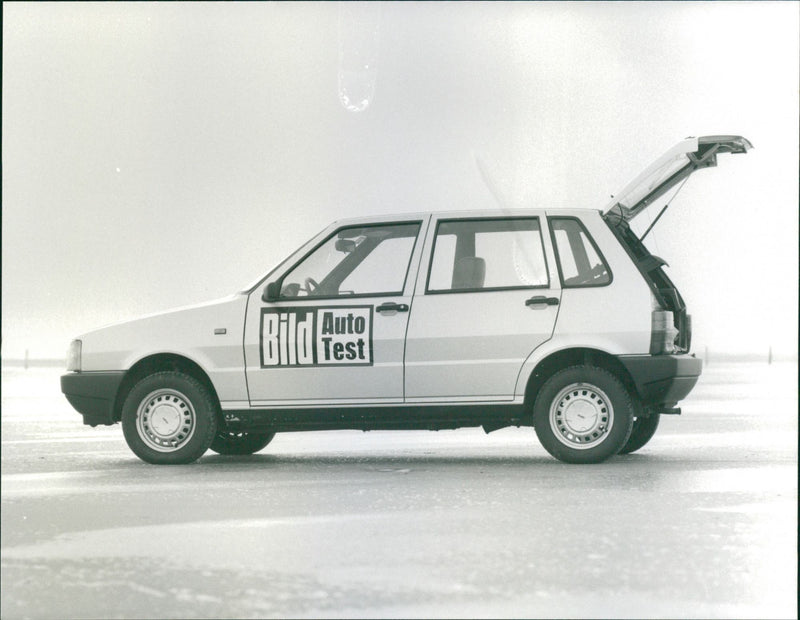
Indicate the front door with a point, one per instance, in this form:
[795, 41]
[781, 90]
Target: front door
[336, 332]
[486, 302]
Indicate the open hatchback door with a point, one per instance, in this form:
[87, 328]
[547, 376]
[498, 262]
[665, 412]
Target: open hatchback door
[670, 169]
[672, 327]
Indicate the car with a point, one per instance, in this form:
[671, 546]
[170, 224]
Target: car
[556, 319]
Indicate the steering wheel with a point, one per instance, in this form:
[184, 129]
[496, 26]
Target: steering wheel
[311, 285]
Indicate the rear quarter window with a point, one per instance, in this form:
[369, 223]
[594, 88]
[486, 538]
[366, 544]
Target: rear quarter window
[580, 262]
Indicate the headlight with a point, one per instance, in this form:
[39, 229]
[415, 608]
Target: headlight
[74, 356]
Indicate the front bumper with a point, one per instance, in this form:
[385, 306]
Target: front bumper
[663, 380]
[92, 394]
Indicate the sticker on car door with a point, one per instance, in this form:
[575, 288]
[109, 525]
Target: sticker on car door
[316, 336]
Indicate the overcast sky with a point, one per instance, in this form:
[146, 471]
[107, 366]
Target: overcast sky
[156, 155]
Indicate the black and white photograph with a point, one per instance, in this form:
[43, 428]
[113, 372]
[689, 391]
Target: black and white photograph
[400, 309]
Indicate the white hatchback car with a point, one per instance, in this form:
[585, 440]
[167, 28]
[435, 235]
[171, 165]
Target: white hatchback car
[559, 319]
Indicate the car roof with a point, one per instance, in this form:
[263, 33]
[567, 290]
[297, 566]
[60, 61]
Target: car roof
[460, 214]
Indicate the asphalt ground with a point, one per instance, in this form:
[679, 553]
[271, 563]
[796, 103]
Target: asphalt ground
[702, 522]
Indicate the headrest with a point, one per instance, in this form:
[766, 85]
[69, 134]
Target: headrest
[469, 272]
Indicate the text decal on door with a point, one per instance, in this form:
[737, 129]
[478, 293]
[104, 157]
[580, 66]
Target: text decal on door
[303, 336]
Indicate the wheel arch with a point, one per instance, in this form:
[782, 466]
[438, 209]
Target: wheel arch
[564, 358]
[160, 362]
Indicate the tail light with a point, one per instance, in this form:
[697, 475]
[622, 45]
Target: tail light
[685, 337]
[662, 332]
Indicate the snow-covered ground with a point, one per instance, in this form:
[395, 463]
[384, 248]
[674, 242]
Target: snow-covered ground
[702, 522]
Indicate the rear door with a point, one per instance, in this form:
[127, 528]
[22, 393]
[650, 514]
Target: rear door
[487, 295]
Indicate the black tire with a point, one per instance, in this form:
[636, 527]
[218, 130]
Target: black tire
[643, 430]
[227, 442]
[583, 414]
[169, 418]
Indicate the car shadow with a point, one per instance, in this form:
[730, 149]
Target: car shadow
[399, 463]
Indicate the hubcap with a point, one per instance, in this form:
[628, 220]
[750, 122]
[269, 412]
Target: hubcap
[165, 420]
[581, 416]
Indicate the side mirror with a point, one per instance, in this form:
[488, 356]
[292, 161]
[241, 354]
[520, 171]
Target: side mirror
[272, 292]
[345, 245]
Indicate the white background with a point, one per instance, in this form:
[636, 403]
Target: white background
[156, 155]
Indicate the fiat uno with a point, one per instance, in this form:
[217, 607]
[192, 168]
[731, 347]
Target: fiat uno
[559, 319]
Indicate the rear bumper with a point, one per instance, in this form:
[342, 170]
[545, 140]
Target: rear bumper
[92, 394]
[663, 379]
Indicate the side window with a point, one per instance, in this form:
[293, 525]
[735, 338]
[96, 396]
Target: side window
[478, 255]
[383, 269]
[362, 260]
[579, 260]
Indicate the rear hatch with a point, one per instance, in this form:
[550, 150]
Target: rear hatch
[672, 331]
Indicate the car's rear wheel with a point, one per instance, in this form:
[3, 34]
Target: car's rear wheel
[643, 430]
[169, 418]
[583, 414]
[242, 442]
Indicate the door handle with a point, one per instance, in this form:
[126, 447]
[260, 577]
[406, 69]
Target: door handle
[390, 306]
[541, 299]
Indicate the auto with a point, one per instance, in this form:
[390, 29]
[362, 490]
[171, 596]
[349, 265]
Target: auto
[559, 319]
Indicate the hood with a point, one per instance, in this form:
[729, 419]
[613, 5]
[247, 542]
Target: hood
[190, 331]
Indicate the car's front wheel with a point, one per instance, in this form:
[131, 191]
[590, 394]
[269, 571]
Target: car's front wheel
[238, 443]
[583, 414]
[169, 418]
